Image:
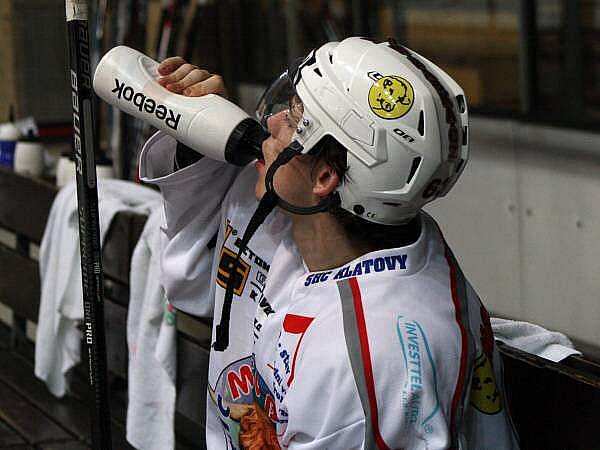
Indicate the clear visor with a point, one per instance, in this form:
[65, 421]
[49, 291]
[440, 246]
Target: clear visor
[280, 97]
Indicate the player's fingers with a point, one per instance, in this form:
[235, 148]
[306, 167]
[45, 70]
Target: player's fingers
[212, 85]
[170, 65]
[178, 74]
[195, 76]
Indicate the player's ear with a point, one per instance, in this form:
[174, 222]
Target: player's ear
[325, 179]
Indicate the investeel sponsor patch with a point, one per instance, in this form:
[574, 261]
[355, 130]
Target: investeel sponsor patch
[144, 103]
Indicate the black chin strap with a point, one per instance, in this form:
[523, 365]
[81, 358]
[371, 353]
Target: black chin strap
[267, 203]
[265, 206]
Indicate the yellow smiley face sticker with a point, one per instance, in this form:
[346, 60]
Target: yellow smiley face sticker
[485, 395]
[391, 96]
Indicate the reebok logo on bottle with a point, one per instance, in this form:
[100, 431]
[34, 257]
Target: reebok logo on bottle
[146, 104]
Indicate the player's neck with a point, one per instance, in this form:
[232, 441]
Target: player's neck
[323, 242]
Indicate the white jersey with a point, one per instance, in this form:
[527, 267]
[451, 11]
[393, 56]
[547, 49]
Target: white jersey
[392, 350]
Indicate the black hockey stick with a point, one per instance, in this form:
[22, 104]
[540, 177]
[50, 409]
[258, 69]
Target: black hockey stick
[89, 230]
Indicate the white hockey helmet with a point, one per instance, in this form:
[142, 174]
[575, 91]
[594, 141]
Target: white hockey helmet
[401, 118]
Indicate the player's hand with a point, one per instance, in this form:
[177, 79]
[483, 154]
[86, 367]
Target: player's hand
[181, 77]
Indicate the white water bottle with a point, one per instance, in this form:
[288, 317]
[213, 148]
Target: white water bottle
[209, 124]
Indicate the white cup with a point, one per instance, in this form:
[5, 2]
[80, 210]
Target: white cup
[29, 158]
[104, 171]
[65, 171]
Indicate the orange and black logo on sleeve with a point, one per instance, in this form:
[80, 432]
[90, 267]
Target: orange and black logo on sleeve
[226, 263]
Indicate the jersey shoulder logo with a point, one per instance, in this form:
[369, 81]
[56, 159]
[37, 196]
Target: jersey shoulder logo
[226, 262]
[485, 395]
[390, 96]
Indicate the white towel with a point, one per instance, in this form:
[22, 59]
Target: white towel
[151, 338]
[533, 339]
[58, 340]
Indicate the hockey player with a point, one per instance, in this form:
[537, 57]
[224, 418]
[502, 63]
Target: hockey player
[349, 324]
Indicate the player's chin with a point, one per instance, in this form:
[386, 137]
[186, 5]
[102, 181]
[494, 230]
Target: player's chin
[260, 189]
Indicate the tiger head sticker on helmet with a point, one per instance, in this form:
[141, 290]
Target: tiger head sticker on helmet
[391, 96]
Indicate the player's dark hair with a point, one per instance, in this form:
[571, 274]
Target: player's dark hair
[374, 235]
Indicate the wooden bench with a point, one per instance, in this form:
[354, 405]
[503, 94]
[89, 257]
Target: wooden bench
[554, 406]
[24, 207]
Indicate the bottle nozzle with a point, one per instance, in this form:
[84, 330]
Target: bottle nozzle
[245, 142]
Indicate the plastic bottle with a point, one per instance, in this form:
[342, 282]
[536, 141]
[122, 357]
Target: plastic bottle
[209, 124]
